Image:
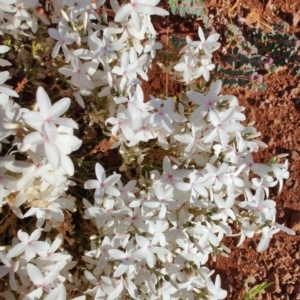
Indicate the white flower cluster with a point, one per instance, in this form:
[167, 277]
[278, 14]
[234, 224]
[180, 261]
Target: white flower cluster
[197, 57]
[195, 175]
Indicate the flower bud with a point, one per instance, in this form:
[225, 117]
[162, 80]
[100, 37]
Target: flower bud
[251, 77]
[259, 78]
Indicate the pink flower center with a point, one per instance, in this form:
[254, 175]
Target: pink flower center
[133, 5]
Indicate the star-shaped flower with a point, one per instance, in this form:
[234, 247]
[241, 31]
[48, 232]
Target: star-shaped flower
[102, 184]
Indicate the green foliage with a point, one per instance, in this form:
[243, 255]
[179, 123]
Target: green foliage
[195, 8]
[250, 294]
[279, 45]
[177, 41]
[252, 52]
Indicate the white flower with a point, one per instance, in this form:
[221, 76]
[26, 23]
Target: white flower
[41, 282]
[99, 284]
[207, 234]
[4, 88]
[208, 102]
[281, 173]
[131, 35]
[188, 252]
[147, 250]
[49, 209]
[49, 114]
[63, 38]
[101, 215]
[222, 125]
[165, 115]
[151, 46]
[104, 46]
[129, 68]
[215, 291]
[265, 208]
[7, 181]
[28, 245]
[194, 139]
[124, 123]
[5, 6]
[267, 234]
[208, 46]
[225, 207]
[178, 230]
[187, 66]
[50, 255]
[21, 14]
[56, 146]
[137, 7]
[126, 258]
[103, 185]
[166, 289]
[205, 67]
[157, 229]
[79, 73]
[4, 49]
[174, 177]
[9, 267]
[165, 197]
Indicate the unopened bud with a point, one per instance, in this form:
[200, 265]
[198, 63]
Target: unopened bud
[11, 126]
[251, 77]
[65, 16]
[259, 78]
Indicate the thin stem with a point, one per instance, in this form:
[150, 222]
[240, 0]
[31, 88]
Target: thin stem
[262, 256]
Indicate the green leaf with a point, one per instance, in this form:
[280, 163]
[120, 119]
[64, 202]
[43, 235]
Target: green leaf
[261, 86]
[174, 10]
[273, 69]
[205, 19]
[242, 81]
[182, 11]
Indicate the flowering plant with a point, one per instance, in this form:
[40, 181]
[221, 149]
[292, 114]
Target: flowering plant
[158, 222]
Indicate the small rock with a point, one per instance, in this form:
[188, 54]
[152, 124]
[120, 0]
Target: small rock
[295, 155]
[296, 292]
[284, 276]
[290, 183]
[268, 297]
[289, 288]
[274, 287]
[272, 97]
[295, 221]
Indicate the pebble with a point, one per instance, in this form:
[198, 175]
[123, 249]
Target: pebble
[294, 223]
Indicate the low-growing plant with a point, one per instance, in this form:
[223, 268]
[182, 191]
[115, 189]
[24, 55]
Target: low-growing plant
[194, 8]
[250, 294]
[114, 196]
[252, 52]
